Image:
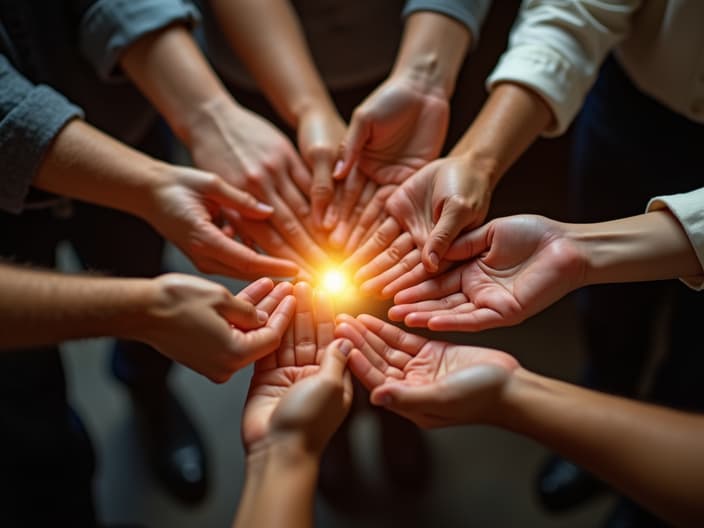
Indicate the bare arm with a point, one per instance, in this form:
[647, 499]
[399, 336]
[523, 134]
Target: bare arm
[651, 453]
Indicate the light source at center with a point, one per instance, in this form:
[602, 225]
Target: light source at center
[334, 281]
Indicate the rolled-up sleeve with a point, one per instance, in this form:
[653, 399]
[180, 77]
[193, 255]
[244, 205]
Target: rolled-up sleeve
[109, 26]
[471, 13]
[556, 48]
[688, 208]
[30, 118]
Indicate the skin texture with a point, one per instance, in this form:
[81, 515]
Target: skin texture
[401, 126]
[438, 384]
[226, 139]
[298, 397]
[514, 267]
[195, 322]
[285, 70]
[182, 203]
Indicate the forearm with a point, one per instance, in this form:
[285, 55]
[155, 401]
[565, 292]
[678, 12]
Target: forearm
[432, 51]
[169, 68]
[42, 307]
[278, 58]
[652, 454]
[86, 164]
[279, 487]
[512, 118]
[651, 246]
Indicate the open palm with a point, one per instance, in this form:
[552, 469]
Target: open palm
[518, 266]
[303, 388]
[433, 383]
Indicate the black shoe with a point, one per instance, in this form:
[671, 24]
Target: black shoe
[562, 485]
[405, 452]
[174, 448]
[628, 514]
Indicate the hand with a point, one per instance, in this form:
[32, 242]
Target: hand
[201, 325]
[432, 383]
[399, 128]
[251, 154]
[320, 133]
[183, 204]
[438, 202]
[519, 265]
[303, 389]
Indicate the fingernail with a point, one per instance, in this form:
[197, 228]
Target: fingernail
[338, 167]
[262, 316]
[345, 346]
[264, 208]
[434, 259]
[330, 218]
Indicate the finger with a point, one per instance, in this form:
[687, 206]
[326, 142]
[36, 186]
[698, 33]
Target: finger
[241, 313]
[228, 196]
[322, 189]
[304, 327]
[262, 341]
[237, 260]
[406, 398]
[343, 229]
[388, 258]
[387, 361]
[255, 291]
[374, 213]
[376, 285]
[324, 319]
[333, 363]
[401, 311]
[286, 354]
[416, 276]
[382, 238]
[392, 335]
[351, 190]
[300, 174]
[475, 321]
[358, 134]
[364, 371]
[437, 287]
[470, 244]
[292, 195]
[453, 219]
[269, 303]
[269, 240]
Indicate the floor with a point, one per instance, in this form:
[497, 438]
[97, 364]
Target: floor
[481, 476]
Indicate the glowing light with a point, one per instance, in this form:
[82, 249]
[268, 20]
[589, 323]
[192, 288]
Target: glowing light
[334, 281]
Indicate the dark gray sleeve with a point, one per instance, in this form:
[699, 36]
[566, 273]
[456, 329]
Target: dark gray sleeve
[31, 116]
[109, 26]
[469, 12]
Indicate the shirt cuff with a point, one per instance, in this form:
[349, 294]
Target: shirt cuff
[25, 135]
[688, 209]
[548, 74]
[471, 13]
[109, 26]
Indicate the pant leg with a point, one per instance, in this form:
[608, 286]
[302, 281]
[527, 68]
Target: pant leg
[47, 465]
[627, 148]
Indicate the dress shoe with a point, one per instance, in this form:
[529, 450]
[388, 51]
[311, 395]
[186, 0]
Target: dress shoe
[562, 485]
[174, 449]
[628, 514]
[405, 452]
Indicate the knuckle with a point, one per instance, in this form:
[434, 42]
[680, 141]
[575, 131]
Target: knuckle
[322, 189]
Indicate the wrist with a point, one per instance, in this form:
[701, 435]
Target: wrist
[206, 118]
[137, 318]
[481, 165]
[520, 393]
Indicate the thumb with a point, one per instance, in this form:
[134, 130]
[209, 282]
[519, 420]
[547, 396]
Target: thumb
[453, 218]
[228, 196]
[470, 244]
[358, 134]
[241, 313]
[334, 360]
[404, 397]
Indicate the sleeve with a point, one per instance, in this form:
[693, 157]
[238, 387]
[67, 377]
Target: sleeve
[30, 118]
[109, 26]
[688, 208]
[469, 12]
[556, 48]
